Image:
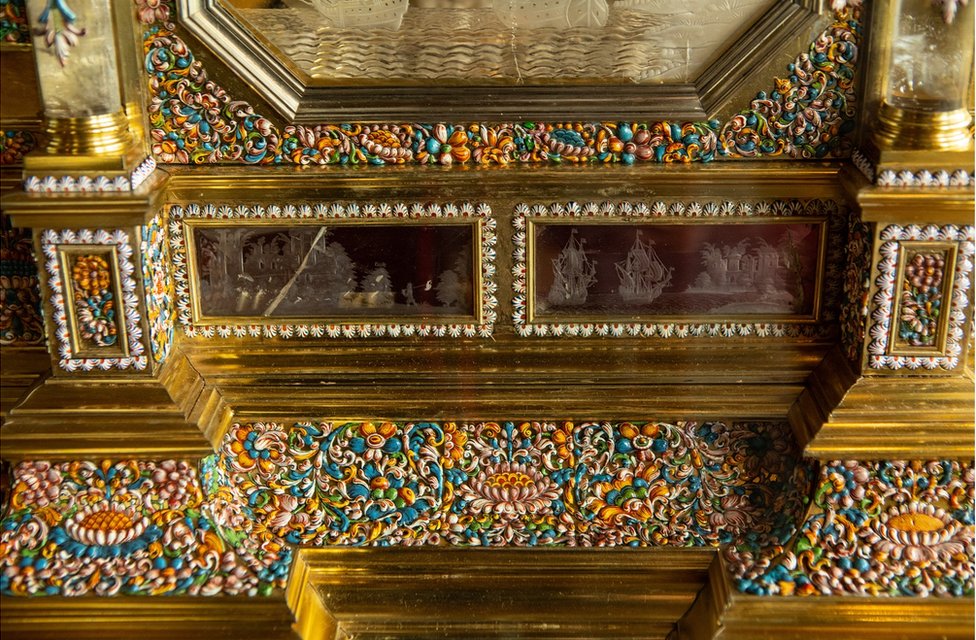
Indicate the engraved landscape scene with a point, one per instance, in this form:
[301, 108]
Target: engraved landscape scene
[676, 270]
[334, 271]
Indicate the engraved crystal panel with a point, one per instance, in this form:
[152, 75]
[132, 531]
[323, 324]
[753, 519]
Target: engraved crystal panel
[633, 270]
[501, 41]
[335, 271]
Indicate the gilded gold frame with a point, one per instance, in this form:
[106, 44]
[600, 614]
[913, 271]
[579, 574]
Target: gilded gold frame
[110, 253]
[948, 283]
[530, 257]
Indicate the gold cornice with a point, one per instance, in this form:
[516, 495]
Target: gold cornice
[159, 618]
[494, 593]
[887, 205]
[841, 416]
[722, 613]
[84, 418]
[713, 181]
[934, 422]
[520, 379]
[20, 368]
[86, 210]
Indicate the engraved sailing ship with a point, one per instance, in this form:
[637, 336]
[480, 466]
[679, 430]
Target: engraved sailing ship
[573, 274]
[642, 274]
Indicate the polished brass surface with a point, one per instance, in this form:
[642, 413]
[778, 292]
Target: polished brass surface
[838, 410]
[124, 417]
[20, 368]
[933, 131]
[841, 416]
[103, 135]
[501, 186]
[21, 104]
[162, 618]
[722, 613]
[493, 593]
[88, 210]
[472, 380]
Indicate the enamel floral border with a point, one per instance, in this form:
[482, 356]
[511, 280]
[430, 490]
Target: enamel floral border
[662, 210]
[396, 211]
[509, 483]
[50, 240]
[883, 302]
[124, 528]
[857, 285]
[158, 285]
[888, 529]
[194, 120]
[921, 178]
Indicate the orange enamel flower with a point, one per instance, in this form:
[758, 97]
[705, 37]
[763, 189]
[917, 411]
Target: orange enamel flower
[454, 442]
[90, 274]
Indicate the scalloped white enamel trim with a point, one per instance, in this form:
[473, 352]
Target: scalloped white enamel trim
[883, 302]
[91, 184]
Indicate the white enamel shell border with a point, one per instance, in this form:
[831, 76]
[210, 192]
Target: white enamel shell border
[663, 210]
[884, 300]
[392, 211]
[50, 239]
[923, 178]
[91, 184]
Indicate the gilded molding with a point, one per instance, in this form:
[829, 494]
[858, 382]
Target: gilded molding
[664, 211]
[883, 351]
[479, 213]
[889, 528]
[107, 314]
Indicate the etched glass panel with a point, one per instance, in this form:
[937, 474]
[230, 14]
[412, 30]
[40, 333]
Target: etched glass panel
[335, 271]
[501, 41]
[674, 270]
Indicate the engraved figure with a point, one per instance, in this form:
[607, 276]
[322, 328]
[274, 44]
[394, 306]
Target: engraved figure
[643, 276]
[574, 273]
